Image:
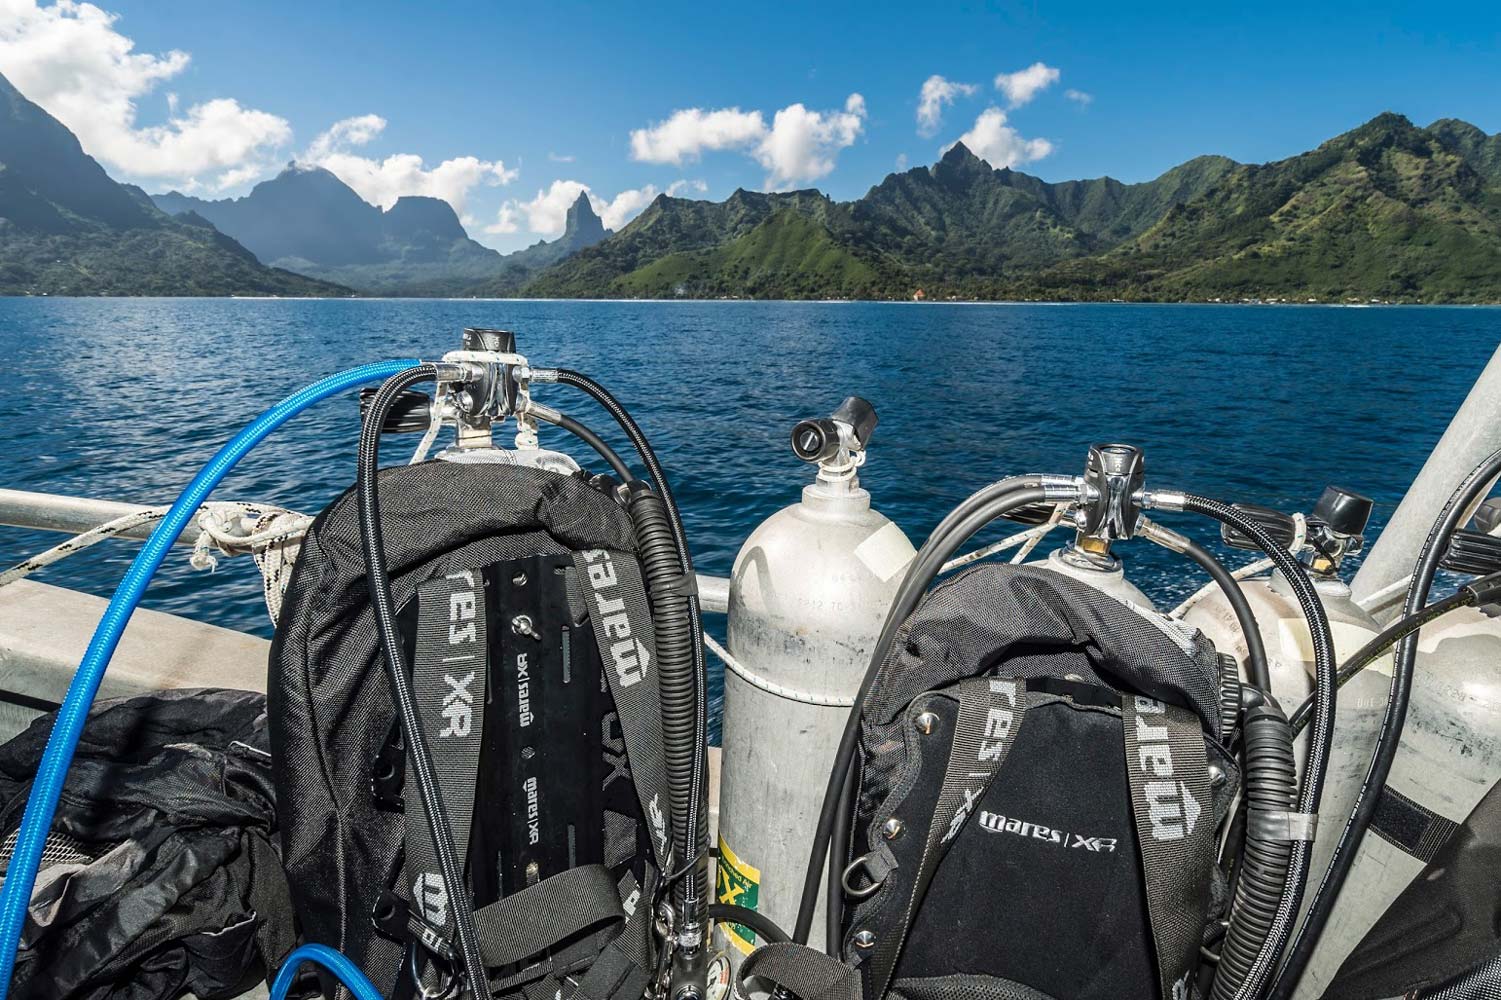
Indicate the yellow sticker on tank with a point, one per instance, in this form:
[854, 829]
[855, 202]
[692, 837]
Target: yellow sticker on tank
[739, 884]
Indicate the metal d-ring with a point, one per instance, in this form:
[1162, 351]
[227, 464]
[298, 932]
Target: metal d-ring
[448, 980]
[853, 868]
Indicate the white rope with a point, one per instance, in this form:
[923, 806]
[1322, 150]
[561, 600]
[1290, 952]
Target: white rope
[272, 536]
[1298, 544]
[1030, 535]
[1031, 544]
[771, 687]
[78, 543]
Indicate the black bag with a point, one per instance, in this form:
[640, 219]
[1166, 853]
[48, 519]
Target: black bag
[1040, 777]
[160, 876]
[509, 581]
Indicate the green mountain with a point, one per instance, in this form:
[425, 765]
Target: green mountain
[307, 220]
[1387, 211]
[66, 228]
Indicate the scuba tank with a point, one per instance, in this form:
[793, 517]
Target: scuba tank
[1017, 732]
[1448, 760]
[808, 592]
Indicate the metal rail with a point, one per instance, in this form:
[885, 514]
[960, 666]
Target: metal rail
[75, 515]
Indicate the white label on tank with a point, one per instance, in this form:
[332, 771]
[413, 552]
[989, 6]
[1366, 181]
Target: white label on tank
[1297, 643]
[885, 552]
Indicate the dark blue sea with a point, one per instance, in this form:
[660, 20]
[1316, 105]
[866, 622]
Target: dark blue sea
[126, 398]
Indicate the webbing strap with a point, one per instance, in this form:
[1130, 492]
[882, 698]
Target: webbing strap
[805, 972]
[1168, 770]
[990, 713]
[523, 924]
[450, 667]
[618, 610]
[614, 594]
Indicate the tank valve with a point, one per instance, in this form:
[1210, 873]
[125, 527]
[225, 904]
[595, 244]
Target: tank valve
[1114, 475]
[836, 443]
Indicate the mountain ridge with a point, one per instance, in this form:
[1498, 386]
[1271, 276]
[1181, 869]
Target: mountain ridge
[1387, 210]
[307, 220]
[67, 228]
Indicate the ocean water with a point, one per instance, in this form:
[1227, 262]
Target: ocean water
[126, 398]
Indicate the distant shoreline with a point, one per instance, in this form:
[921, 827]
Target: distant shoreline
[694, 301]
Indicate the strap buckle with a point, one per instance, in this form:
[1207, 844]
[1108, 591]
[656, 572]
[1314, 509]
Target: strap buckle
[855, 867]
[448, 979]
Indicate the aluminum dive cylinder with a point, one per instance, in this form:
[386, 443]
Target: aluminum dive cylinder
[1104, 573]
[1450, 755]
[808, 594]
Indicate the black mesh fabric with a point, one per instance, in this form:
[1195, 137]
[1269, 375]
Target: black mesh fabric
[962, 988]
[329, 700]
[1480, 983]
[161, 874]
[1041, 893]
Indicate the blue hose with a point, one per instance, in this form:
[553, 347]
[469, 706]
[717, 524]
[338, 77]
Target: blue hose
[20, 879]
[347, 972]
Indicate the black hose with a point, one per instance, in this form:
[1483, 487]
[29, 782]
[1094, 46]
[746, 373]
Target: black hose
[1256, 665]
[1384, 640]
[674, 635]
[831, 834]
[692, 892]
[1271, 785]
[729, 913]
[378, 581]
[1389, 738]
[596, 442]
[1323, 737]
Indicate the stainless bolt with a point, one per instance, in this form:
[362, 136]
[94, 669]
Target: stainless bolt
[1216, 776]
[926, 723]
[865, 940]
[893, 828]
[522, 625]
[519, 579]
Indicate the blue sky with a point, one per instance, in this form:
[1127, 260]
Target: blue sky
[509, 111]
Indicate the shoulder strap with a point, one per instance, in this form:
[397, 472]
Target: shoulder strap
[450, 668]
[990, 713]
[1168, 771]
[613, 593]
[805, 972]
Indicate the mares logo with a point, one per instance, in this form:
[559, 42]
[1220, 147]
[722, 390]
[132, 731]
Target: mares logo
[627, 653]
[1000, 719]
[533, 811]
[1171, 807]
[458, 701]
[658, 825]
[431, 898]
[524, 715]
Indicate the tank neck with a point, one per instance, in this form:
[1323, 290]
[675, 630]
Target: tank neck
[836, 499]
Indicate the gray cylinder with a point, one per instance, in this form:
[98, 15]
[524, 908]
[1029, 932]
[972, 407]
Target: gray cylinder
[808, 594]
[1451, 745]
[1105, 574]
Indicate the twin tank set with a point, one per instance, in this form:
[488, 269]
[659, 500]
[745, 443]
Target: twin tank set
[811, 587]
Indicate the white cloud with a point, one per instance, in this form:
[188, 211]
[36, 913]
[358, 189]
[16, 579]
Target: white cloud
[1025, 84]
[383, 181]
[998, 144]
[799, 146]
[901, 161]
[1079, 97]
[936, 92]
[697, 186]
[560, 157]
[803, 145]
[69, 59]
[687, 133]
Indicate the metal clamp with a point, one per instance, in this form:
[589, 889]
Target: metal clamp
[860, 864]
[448, 981]
[1281, 824]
